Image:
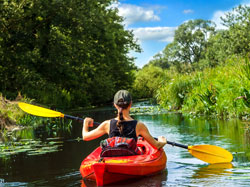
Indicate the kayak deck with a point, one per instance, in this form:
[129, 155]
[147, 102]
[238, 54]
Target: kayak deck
[113, 169]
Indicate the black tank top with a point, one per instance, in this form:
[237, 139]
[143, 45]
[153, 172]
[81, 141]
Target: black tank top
[129, 129]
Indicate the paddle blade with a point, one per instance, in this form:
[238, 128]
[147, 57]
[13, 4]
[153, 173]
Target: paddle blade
[39, 111]
[210, 153]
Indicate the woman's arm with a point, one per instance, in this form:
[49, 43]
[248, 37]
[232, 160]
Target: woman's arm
[102, 129]
[143, 131]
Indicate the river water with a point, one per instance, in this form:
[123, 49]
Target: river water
[60, 167]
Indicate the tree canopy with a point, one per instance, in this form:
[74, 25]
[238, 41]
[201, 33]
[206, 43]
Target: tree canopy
[62, 52]
[191, 40]
[188, 46]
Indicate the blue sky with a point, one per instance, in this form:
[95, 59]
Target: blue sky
[154, 21]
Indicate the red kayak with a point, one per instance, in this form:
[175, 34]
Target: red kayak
[108, 170]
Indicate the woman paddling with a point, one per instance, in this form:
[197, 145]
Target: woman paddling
[123, 125]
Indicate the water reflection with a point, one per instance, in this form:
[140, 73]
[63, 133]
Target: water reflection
[213, 170]
[156, 180]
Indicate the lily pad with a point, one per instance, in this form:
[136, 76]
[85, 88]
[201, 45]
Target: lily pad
[30, 147]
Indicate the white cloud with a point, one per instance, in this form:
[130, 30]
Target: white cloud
[133, 14]
[163, 34]
[217, 19]
[188, 11]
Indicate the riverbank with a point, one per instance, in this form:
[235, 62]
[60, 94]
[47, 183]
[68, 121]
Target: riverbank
[14, 121]
[221, 92]
[9, 114]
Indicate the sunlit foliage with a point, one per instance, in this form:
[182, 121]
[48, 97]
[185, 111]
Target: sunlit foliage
[64, 53]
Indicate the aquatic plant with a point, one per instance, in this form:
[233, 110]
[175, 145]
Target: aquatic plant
[30, 147]
[147, 110]
[40, 137]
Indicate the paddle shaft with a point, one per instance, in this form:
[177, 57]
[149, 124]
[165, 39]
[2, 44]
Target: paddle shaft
[177, 144]
[78, 119]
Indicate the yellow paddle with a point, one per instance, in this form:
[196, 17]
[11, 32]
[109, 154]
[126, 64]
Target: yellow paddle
[44, 112]
[208, 153]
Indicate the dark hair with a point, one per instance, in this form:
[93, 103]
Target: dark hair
[121, 105]
[122, 97]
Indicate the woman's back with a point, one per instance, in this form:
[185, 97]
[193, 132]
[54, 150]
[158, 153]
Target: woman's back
[128, 131]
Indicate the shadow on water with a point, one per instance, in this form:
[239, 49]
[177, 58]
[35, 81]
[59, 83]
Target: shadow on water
[39, 158]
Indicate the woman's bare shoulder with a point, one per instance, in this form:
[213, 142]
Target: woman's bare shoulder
[140, 124]
[105, 123]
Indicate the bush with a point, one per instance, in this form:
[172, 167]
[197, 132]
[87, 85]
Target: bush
[148, 81]
[173, 94]
[222, 91]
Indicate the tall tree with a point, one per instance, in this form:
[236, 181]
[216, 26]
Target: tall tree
[191, 40]
[64, 51]
[238, 23]
[188, 48]
[232, 41]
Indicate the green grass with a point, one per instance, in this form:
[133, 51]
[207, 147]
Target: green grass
[223, 91]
